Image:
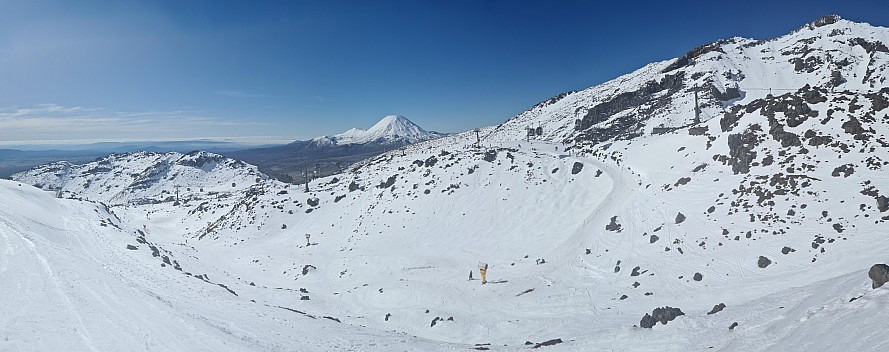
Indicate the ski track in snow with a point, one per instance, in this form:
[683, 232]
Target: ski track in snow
[58, 285]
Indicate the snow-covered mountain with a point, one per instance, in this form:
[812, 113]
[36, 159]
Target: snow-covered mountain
[333, 153]
[759, 223]
[145, 177]
[391, 130]
[831, 53]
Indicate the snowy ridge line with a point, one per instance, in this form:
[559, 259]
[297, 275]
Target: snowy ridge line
[836, 55]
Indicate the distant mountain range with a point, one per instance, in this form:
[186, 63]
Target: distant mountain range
[15, 158]
[145, 177]
[285, 162]
[329, 154]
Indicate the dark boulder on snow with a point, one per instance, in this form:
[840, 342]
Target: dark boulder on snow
[662, 315]
[307, 268]
[613, 226]
[682, 181]
[577, 167]
[680, 218]
[490, 155]
[698, 277]
[879, 273]
[548, 343]
[882, 203]
[763, 262]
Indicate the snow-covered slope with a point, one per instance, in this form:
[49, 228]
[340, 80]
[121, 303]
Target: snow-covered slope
[145, 177]
[78, 278]
[774, 205]
[831, 53]
[392, 241]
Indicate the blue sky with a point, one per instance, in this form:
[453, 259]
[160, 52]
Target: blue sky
[153, 70]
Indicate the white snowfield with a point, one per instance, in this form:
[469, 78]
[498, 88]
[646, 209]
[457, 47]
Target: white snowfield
[70, 284]
[753, 211]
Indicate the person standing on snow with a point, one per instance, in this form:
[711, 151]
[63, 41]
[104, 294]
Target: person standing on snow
[483, 269]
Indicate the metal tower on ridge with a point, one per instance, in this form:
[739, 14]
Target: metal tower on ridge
[306, 173]
[697, 107]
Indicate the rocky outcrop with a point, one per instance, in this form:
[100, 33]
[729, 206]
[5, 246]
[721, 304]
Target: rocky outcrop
[693, 53]
[741, 153]
[662, 315]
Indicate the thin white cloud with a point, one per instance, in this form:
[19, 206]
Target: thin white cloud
[57, 122]
[39, 109]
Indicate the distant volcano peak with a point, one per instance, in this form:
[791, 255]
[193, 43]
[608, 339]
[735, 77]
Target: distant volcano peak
[392, 129]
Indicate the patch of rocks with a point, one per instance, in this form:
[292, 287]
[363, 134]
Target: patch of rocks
[662, 315]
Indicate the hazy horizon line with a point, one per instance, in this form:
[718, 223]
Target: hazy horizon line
[82, 142]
